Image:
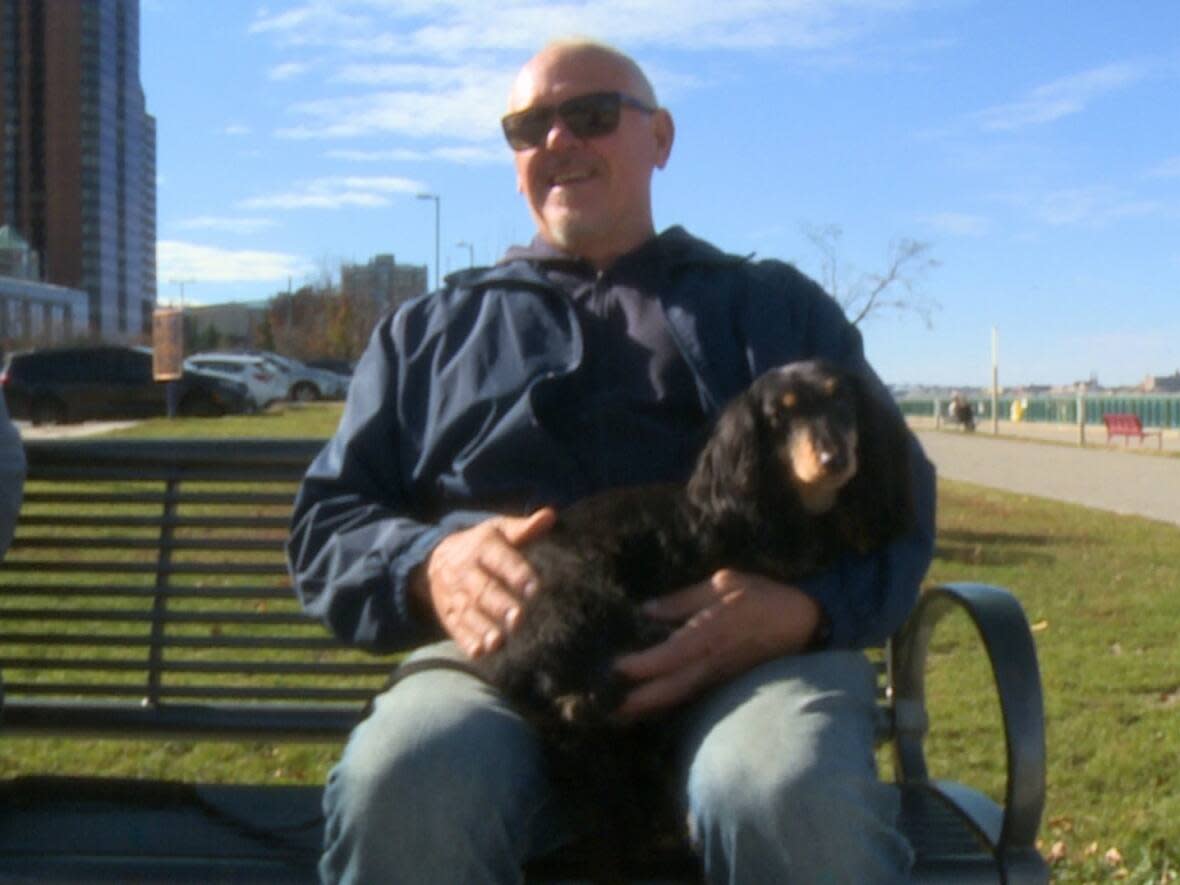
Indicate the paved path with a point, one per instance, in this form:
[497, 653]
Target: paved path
[70, 431]
[1096, 476]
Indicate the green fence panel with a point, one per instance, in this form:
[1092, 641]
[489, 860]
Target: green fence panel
[1154, 410]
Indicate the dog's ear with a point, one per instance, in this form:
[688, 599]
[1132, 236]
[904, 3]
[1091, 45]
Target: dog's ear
[877, 503]
[725, 483]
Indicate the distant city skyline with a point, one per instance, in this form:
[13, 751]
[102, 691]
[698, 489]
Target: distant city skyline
[1035, 147]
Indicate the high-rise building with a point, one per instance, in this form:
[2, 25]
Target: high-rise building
[78, 155]
[384, 280]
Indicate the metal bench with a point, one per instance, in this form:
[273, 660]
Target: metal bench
[1127, 425]
[146, 597]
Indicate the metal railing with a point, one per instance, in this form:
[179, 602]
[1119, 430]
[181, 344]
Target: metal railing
[1154, 410]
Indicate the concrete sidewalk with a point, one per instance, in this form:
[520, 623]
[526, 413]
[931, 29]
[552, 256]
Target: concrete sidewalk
[69, 431]
[1099, 476]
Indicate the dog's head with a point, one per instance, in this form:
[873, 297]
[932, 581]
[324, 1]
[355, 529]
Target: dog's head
[809, 414]
[808, 437]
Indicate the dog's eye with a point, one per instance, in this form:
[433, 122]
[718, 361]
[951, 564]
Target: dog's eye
[789, 401]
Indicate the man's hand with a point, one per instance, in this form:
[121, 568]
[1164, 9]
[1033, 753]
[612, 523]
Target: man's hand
[476, 580]
[728, 624]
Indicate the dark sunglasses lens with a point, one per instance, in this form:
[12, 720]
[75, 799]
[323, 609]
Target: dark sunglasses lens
[587, 116]
[527, 129]
[590, 116]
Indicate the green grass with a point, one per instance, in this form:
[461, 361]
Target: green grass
[279, 420]
[1101, 593]
[1099, 589]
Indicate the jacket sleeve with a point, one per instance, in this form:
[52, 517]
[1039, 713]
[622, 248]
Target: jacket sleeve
[12, 476]
[866, 598]
[354, 537]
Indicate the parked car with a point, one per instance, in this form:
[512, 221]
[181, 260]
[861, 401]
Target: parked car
[265, 380]
[306, 383]
[340, 367]
[105, 382]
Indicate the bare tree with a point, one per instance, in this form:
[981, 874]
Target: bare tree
[897, 288]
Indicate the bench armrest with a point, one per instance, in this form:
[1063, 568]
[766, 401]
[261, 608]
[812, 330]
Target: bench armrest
[1005, 632]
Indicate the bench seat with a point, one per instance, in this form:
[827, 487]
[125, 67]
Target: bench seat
[146, 597]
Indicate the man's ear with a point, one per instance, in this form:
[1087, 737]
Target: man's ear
[665, 133]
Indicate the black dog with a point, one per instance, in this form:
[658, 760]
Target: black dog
[803, 466]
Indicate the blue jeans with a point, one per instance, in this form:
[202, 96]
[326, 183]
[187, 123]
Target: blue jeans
[443, 783]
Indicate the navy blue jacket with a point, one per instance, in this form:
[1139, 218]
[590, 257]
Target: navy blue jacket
[441, 429]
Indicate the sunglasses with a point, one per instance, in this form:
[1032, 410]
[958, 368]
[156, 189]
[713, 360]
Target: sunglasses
[586, 116]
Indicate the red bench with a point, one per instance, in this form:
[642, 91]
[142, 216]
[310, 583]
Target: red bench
[1127, 426]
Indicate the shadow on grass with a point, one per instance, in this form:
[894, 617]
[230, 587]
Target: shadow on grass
[1000, 548]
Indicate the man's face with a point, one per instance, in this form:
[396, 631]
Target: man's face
[590, 197]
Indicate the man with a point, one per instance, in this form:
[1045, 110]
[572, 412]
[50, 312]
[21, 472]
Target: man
[596, 357]
[12, 476]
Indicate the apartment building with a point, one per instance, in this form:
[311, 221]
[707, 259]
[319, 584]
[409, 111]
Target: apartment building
[77, 155]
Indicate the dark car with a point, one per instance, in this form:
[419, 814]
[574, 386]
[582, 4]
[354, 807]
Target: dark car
[81, 383]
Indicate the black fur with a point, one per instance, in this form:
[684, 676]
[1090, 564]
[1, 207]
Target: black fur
[743, 509]
[740, 509]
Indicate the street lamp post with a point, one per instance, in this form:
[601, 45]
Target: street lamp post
[181, 284]
[437, 214]
[470, 252]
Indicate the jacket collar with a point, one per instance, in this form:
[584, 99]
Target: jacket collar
[673, 248]
[532, 266]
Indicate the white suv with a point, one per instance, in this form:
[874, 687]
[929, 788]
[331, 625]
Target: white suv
[265, 380]
[306, 383]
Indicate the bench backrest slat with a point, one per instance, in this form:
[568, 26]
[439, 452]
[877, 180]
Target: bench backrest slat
[149, 577]
[117, 591]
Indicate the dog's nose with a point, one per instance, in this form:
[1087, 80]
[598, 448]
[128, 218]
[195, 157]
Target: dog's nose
[833, 460]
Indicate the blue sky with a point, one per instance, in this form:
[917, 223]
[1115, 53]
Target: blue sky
[1034, 146]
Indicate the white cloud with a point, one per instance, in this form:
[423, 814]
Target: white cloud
[1095, 206]
[299, 25]
[178, 260]
[474, 156]
[452, 28]
[337, 192]
[442, 68]
[420, 100]
[1060, 98]
[469, 113]
[288, 70]
[233, 225]
[957, 224]
[385, 74]
[236, 129]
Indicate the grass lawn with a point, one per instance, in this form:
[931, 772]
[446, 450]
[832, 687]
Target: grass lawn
[1099, 589]
[278, 420]
[1101, 592]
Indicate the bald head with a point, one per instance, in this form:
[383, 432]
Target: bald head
[631, 78]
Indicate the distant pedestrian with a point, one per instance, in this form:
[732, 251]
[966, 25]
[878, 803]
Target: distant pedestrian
[962, 412]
